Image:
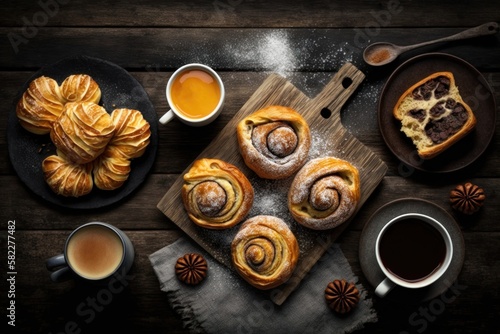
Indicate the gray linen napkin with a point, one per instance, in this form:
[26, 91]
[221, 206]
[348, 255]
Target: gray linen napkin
[225, 303]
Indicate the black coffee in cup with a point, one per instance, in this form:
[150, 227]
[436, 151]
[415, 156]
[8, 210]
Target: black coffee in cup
[412, 249]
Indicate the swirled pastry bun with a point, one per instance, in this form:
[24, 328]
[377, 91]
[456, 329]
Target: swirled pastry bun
[40, 105]
[132, 132]
[67, 178]
[80, 88]
[265, 252]
[324, 193]
[274, 141]
[216, 194]
[111, 169]
[82, 131]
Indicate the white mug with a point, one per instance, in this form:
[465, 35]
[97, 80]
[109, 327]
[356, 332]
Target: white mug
[392, 279]
[175, 111]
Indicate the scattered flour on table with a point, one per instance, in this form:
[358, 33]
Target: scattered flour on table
[269, 51]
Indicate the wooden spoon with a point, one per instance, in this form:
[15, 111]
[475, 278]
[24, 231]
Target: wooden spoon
[383, 53]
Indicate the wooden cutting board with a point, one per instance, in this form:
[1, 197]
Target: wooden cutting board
[329, 138]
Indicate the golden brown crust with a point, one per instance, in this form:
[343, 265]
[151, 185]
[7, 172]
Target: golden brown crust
[274, 141]
[132, 132]
[40, 105]
[417, 129]
[82, 131]
[80, 88]
[265, 252]
[324, 193]
[67, 178]
[216, 194]
[111, 169]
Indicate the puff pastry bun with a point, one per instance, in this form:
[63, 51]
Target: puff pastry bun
[40, 105]
[265, 252]
[80, 88]
[111, 169]
[433, 114]
[82, 132]
[324, 193]
[132, 132]
[216, 194]
[67, 178]
[274, 141]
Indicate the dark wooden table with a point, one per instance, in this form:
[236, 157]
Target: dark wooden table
[244, 41]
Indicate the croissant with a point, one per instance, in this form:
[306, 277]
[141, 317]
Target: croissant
[216, 194]
[265, 252]
[324, 193]
[132, 132]
[80, 88]
[274, 142]
[67, 178]
[111, 169]
[82, 131]
[40, 105]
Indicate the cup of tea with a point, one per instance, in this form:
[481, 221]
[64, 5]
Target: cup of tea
[93, 252]
[195, 95]
[413, 250]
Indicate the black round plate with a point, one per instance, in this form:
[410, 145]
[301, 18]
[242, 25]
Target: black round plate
[474, 90]
[380, 218]
[118, 90]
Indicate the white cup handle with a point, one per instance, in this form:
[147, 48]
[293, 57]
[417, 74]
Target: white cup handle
[384, 287]
[167, 117]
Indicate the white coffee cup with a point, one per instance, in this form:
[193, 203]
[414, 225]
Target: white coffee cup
[396, 249]
[195, 93]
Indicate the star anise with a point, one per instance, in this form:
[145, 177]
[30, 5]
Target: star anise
[467, 198]
[191, 268]
[341, 296]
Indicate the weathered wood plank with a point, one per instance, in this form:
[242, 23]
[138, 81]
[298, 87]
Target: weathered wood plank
[232, 49]
[248, 13]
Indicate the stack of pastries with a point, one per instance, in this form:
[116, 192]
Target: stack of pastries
[274, 143]
[92, 146]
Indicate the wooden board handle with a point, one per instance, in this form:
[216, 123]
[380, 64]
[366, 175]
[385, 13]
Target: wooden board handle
[336, 93]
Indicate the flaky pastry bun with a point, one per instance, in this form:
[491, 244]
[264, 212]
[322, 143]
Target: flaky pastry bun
[67, 178]
[82, 132]
[265, 252]
[132, 132]
[80, 88]
[111, 169]
[40, 105]
[274, 141]
[216, 194]
[324, 193]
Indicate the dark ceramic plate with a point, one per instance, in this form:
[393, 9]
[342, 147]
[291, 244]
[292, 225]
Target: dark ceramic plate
[368, 237]
[119, 90]
[473, 88]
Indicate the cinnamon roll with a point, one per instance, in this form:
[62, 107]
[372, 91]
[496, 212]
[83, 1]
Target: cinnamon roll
[274, 142]
[324, 193]
[216, 194]
[41, 104]
[265, 252]
[82, 131]
[67, 178]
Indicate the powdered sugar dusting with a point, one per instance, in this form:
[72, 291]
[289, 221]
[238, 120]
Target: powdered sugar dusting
[271, 51]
